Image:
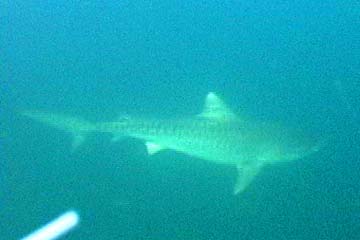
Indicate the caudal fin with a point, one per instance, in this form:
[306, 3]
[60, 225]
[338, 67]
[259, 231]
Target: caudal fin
[77, 127]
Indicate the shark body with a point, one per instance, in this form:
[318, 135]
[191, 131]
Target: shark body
[216, 134]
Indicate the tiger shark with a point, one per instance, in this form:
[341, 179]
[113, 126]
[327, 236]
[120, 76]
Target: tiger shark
[217, 135]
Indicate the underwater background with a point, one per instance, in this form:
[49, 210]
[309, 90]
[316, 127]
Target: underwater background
[295, 62]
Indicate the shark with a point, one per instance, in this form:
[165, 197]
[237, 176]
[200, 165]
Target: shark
[217, 134]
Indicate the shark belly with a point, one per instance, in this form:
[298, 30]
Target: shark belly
[204, 143]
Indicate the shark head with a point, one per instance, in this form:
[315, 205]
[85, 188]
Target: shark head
[288, 145]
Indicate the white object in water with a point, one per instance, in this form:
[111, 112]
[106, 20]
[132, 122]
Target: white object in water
[55, 228]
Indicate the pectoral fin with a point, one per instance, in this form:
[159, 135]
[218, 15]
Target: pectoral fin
[246, 175]
[117, 137]
[77, 140]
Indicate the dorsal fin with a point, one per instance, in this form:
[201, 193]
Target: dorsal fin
[215, 108]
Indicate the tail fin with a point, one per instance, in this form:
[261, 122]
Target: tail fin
[78, 127]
